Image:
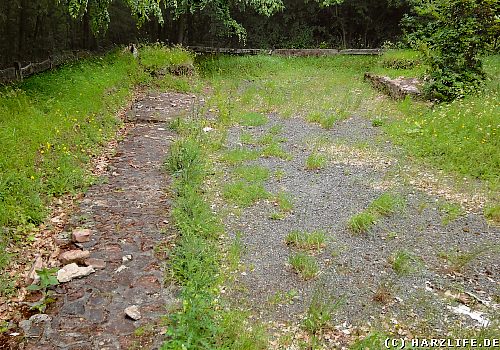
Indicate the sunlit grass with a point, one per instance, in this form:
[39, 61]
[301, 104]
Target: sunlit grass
[461, 137]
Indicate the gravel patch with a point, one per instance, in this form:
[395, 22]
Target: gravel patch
[358, 269]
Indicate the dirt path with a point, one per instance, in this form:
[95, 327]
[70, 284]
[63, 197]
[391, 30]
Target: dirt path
[128, 216]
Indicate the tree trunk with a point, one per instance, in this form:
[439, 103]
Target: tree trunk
[21, 30]
[182, 29]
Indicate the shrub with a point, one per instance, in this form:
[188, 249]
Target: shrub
[453, 34]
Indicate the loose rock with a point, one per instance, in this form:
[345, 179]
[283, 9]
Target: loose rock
[36, 326]
[133, 312]
[74, 256]
[81, 235]
[71, 271]
[95, 263]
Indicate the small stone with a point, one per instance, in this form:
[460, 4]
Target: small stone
[81, 235]
[62, 239]
[71, 271]
[121, 268]
[36, 326]
[74, 256]
[126, 258]
[95, 263]
[133, 312]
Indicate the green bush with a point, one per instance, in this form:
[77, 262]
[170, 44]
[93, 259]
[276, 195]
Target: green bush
[453, 34]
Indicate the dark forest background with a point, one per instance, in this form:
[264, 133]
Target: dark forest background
[33, 30]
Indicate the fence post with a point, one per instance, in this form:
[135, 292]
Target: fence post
[19, 73]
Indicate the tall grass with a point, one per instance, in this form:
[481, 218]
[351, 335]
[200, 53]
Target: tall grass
[462, 137]
[53, 123]
[203, 322]
[324, 87]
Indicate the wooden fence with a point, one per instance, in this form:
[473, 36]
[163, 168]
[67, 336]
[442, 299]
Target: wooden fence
[18, 72]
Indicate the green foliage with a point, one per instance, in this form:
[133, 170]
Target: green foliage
[320, 312]
[386, 204]
[326, 121]
[304, 264]
[453, 34]
[98, 11]
[459, 259]
[451, 212]
[315, 161]
[404, 262]
[491, 212]
[156, 57]
[461, 137]
[252, 173]
[284, 201]
[239, 155]
[314, 240]
[401, 59]
[243, 193]
[50, 126]
[253, 119]
[47, 279]
[374, 341]
[275, 150]
[195, 262]
[362, 222]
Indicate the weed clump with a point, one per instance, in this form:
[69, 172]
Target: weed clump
[305, 265]
[384, 205]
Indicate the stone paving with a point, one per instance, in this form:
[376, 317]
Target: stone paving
[128, 217]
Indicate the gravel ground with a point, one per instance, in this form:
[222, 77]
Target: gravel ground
[356, 269]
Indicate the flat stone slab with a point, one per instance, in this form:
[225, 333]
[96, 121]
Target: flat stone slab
[157, 108]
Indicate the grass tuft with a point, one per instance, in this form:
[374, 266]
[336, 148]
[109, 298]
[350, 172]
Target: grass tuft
[244, 194]
[493, 213]
[327, 121]
[362, 222]
[252, 173]
[315, 161]
[386, 204]
[305, 265]
[253, 119]
[239, 155]
[284, 201]
[314, 240]
[403, 262]
[275, 150]
[450, 211]
[320, 312]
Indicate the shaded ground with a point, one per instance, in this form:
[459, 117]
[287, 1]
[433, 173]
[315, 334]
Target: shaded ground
[357, 270]
[128, 215]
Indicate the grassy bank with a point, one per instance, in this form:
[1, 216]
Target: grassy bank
[462, 137]
[53, 123]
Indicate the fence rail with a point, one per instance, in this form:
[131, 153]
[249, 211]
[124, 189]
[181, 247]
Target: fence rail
[18, 72]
